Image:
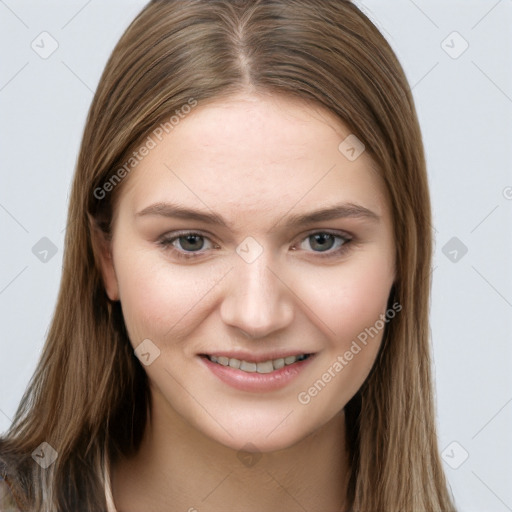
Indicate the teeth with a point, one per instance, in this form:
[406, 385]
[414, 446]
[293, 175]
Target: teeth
[234, 363]
[278, 363]
[263, 367]
[248, 367]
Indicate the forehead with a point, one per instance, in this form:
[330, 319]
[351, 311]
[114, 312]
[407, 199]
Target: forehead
[261, 155]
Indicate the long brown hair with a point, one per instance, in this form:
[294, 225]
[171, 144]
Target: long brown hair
[89, 395]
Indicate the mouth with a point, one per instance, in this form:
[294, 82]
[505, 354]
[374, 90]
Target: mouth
[257, 373]
[268, 366]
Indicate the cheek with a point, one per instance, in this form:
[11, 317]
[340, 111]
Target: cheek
[348, 299]
[158, 299]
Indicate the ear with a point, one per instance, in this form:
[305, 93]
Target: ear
[102, 248]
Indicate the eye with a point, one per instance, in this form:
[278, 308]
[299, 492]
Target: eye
[324, 242]
[191, 244]
[186, 244]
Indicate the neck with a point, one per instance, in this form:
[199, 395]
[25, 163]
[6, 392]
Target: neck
[178, 469]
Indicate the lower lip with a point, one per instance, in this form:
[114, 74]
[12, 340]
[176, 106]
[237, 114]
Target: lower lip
[257, 382]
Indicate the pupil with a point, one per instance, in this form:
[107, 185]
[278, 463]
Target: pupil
[321, 241]
[191, 242]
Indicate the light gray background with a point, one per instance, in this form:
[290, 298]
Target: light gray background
[465, 107]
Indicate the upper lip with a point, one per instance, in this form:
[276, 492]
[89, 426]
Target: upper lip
[256, 358]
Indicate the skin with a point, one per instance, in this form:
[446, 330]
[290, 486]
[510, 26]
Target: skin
[255, 160]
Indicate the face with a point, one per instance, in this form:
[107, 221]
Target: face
[256, 259]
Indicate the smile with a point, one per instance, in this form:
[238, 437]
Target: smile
[262, 367]
[257, 373]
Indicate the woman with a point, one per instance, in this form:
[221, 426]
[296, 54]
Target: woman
[242, 322]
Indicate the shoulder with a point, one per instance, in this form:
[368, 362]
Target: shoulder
[8, 502]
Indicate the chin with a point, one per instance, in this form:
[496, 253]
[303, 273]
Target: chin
[262, 432]
[253, 440]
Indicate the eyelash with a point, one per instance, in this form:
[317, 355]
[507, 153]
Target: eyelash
[166, 242]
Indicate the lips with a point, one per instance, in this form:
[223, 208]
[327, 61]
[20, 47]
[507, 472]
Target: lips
[257, 373]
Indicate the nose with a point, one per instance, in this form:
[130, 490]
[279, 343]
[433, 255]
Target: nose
[257, 300]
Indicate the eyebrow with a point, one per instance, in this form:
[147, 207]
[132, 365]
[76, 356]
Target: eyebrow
[344, 210]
